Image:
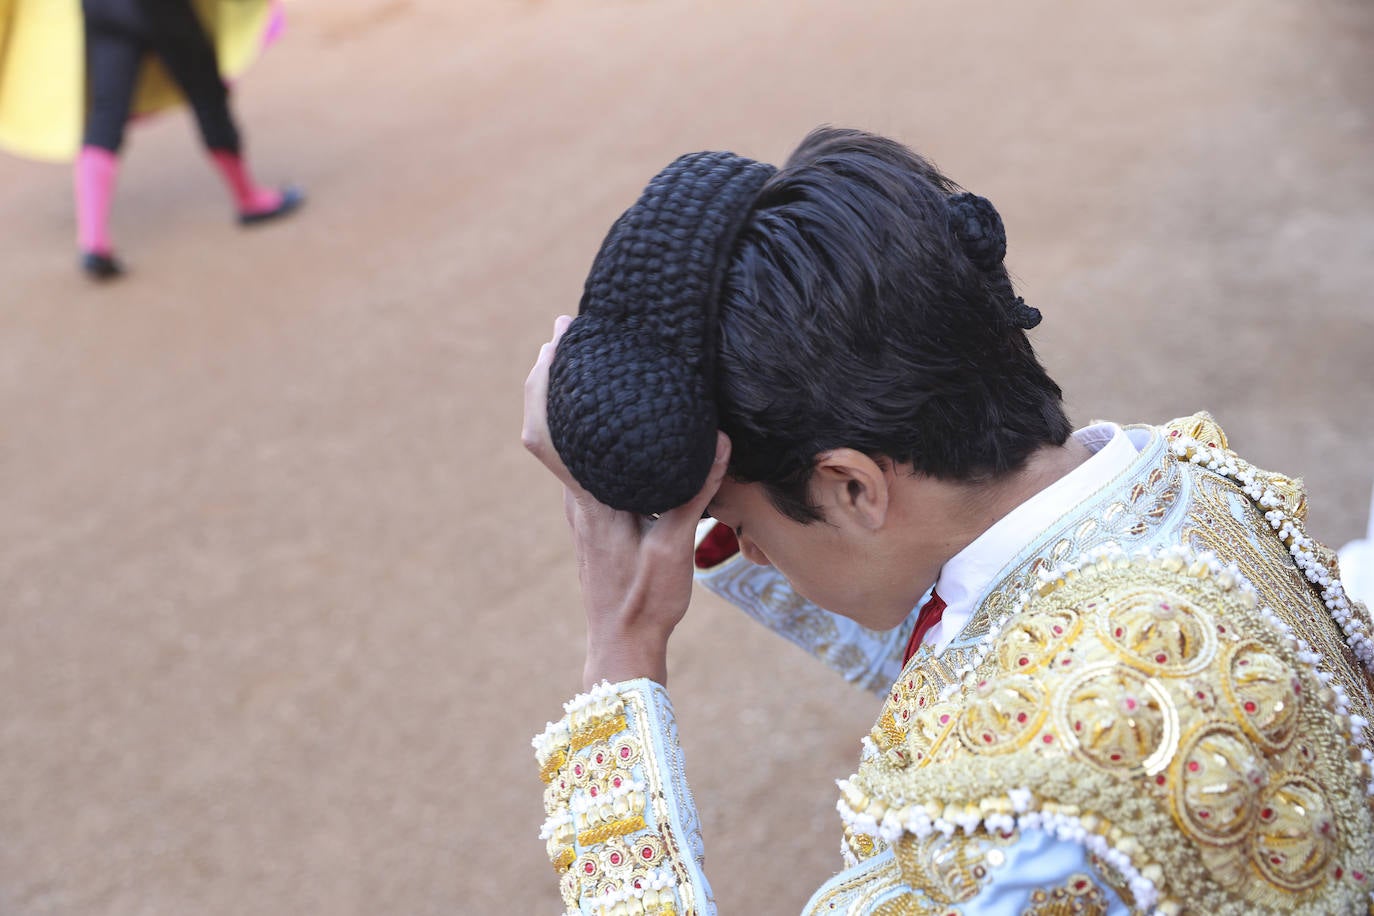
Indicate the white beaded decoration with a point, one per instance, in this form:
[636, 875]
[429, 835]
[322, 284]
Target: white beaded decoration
[888, 824]
[1290, 532]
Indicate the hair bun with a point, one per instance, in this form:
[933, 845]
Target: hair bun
[1024, 316]
[978, 227]
[631, 407]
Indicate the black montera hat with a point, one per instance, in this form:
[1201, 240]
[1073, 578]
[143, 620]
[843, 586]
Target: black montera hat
[632, 407]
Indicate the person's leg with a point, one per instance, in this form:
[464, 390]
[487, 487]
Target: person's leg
[186, 51]
[112, 61]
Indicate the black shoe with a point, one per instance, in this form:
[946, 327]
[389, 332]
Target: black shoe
[291, 199]
[100, 266]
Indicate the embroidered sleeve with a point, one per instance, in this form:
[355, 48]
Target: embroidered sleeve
[871, 659]
[1038, 874]
[1033, 874]
[621, 828]
[1030, 872]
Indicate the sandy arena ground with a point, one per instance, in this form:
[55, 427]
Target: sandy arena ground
[282, 598]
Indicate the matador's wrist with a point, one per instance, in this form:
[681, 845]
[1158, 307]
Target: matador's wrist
[625, 658]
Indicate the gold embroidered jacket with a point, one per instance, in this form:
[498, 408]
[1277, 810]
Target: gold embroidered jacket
[1162, 705]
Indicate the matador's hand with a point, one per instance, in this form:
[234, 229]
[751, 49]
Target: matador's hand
[636, 573]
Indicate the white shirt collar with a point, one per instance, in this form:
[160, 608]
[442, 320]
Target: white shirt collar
[968, 575]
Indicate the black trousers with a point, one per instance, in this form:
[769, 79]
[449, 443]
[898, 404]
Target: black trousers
[118, 35]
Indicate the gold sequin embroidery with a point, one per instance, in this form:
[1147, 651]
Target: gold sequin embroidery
[551, 766]
[598, 730]
[1079, 896]
[613, 829]
[1183, 726]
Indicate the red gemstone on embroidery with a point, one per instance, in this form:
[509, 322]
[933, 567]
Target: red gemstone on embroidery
[987, 738]
[1204, 814]
[1048, 739]
[577, 770]
[1339, 871]
[615, 858]
[944, 719]
[1118, 632]
[1325, 827]
[1220, 628]
[589, 868]
[1192, 766]
[1161, 658]
[1357, 875]
[1078, 726]
[1115, 758]
[1297, 689]
[647, 852]
[616, 782]
[1250, 706]
[1058, 630]
[906, 714]
[1244, 661]
[592, 791]
[1276, 860]
[1164, 605]
[920, 701]
[600, 758]
[1130, 704]
[1201, 695]
[1079, 885]
[1023, 661]
[1065, 662]
[624, 753]
[1159, 780]
[1266, 814]
[639, 884]
[1020, 717]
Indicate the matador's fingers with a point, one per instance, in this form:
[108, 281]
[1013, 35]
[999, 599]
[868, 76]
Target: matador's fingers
[534, 432]
[680, 524]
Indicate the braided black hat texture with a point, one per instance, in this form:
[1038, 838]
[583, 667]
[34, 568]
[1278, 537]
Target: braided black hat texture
[631, 406]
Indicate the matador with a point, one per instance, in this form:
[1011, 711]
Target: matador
[1118, 675]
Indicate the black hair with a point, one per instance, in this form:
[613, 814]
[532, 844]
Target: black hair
[866, 306]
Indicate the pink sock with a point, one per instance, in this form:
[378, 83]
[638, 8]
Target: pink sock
[248, 196]
[95, 179]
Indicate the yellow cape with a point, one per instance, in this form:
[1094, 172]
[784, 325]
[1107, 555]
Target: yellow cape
[42, 69]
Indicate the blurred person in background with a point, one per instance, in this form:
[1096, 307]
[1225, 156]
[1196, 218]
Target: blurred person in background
[139, 56]
[1118, 676]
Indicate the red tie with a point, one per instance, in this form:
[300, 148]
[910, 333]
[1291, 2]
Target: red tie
[929, 616]
[719, 545]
